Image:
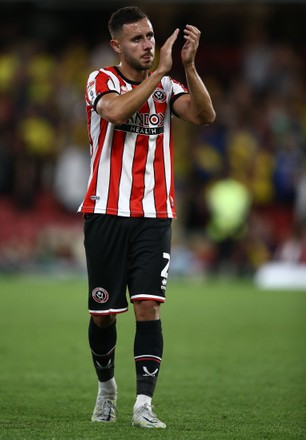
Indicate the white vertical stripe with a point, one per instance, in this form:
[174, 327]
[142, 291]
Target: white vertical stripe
[126, 180]
[167, 158]
[95, 131]
[170, 88]
[148, 203]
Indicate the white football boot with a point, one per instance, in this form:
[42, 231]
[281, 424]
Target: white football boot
[105, 409]
[144, 417]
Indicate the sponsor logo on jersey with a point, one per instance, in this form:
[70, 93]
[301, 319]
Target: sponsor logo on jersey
[140, 130]
[100, 295]
[144, 123]
[147, 119]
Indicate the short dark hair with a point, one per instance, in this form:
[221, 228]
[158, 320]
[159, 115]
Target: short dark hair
[126, 15]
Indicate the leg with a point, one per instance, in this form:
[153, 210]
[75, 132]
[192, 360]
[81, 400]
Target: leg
[102, 340]
[102, 336]
[149, 259]
[106, 297]
[148, 346]
[148, 350]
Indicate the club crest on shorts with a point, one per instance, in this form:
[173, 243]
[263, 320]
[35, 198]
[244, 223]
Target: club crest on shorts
[100, 295]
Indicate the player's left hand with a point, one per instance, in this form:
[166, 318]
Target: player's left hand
[189, 50]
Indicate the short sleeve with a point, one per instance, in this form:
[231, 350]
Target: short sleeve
[99, 83]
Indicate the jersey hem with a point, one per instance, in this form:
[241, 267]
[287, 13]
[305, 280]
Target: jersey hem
[162, 214]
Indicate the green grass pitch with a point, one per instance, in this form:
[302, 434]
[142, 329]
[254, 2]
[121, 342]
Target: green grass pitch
[234, 364]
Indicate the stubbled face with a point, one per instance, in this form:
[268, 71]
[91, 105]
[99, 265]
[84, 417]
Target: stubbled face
[136, 45]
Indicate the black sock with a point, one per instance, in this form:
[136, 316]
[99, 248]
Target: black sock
[102, 342]
[148, 351]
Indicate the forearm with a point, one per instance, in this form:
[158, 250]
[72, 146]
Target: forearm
[200, 105]
[118, 108]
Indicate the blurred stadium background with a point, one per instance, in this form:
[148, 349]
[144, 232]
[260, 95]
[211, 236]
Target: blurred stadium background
[241, 183]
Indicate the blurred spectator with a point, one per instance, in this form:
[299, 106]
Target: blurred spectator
[300, 200]
[293, 249]
[36, 145]
[6, 140]
[257, 57]
[229, 204]
[71, 176]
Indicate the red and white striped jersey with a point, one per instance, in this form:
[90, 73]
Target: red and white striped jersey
[131, 172]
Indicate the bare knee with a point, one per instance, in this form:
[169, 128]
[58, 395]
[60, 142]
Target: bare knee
[103, 321]
[147, 310]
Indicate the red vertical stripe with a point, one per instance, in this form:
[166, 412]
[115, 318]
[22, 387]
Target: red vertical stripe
[139, 166]
[172, 187]
[138, 171]
[160, 189]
